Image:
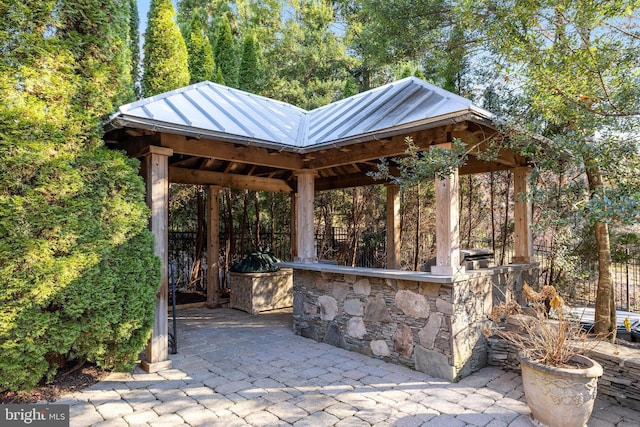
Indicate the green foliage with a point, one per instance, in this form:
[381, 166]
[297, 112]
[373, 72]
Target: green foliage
[225, 55]
[134, 43]
[420, 165]
[218, 77]
[259, 261]
[165, 53]
[575, 67]
[384, 33]
[77, 266]
[308, 63]
[575, 64]
[350, 87]
[249, 73]
[201, 65]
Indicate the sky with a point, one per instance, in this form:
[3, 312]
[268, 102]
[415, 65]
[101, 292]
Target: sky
[143, 9]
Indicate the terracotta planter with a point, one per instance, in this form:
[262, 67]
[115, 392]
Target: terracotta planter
[560, 397]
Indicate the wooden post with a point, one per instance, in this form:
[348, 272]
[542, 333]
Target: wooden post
[305, 231]
[293, 232]
[393, 227]
[522, 214]
[155, 167]
[213, 246]
[447, 227]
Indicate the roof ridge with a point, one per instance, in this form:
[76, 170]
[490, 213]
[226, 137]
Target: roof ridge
[163, 95]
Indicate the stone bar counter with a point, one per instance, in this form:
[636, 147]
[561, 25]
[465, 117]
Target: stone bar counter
[428, 322]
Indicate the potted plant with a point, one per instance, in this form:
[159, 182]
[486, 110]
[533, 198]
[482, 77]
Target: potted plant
[560, 382]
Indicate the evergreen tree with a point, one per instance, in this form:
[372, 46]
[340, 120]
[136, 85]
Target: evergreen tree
[77, 266]
[383, 33]
[406, 72]
[350, 87]
[308, 64]
[224, 53]
[218, 77]
[249, 73]
[574, 62]
[201, 65]
[134, 44]
[166, 64]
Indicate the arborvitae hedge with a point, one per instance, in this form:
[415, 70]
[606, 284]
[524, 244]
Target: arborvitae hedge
[201, 65]
[224, 54]
[78, 275]
[249, 73]
[165, 53]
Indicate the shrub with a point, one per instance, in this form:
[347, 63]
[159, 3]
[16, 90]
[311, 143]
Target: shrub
[77, 266]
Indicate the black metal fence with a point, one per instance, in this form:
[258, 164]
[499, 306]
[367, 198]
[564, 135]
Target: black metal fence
[189, 274]
[583, 284]
[335, 245]
[186, 272]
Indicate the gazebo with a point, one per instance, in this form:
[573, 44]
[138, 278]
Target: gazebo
[213, 135]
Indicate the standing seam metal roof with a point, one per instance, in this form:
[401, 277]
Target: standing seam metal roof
[211, 110]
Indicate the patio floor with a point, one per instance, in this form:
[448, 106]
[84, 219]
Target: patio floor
[235, 369]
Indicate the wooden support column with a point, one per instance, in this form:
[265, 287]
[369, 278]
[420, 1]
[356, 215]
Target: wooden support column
[155, 168]
[293, 232]
[393, 227]
[305, 232]
[447, 227]
[522, 214]
[213, 246]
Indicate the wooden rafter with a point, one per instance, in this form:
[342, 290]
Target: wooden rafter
[191, 176]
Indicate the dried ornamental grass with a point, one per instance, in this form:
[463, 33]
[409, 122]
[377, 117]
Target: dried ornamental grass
[552, 342]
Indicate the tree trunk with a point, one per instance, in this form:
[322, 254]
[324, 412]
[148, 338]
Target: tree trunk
[256, 202]
[493, 213]
[416, 257]
[605, 313]
[243, 223]
[470, 212]
[272, 231]
[229, 232]
[201, 239]
[505, 225]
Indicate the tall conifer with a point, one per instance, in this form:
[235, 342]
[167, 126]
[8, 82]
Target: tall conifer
[77, 267]
[201, 65]
[249, 73]
[225, 55]
[134, 43]
[165, 53]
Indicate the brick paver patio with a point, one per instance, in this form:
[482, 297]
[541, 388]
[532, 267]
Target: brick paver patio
[235, 369]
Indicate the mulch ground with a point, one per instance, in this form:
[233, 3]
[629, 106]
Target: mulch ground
[68, 380]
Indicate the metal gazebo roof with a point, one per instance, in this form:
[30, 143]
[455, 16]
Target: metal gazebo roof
[210, 110]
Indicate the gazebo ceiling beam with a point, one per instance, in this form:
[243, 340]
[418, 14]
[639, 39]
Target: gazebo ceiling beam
[243, 182]
[230, 152]
[476, 166]
[361, 152]
[345, 181]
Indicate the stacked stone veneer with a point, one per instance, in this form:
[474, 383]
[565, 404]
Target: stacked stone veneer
[258, 292]
[432, 326]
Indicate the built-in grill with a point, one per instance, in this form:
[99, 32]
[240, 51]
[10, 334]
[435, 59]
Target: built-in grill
[474, 259]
